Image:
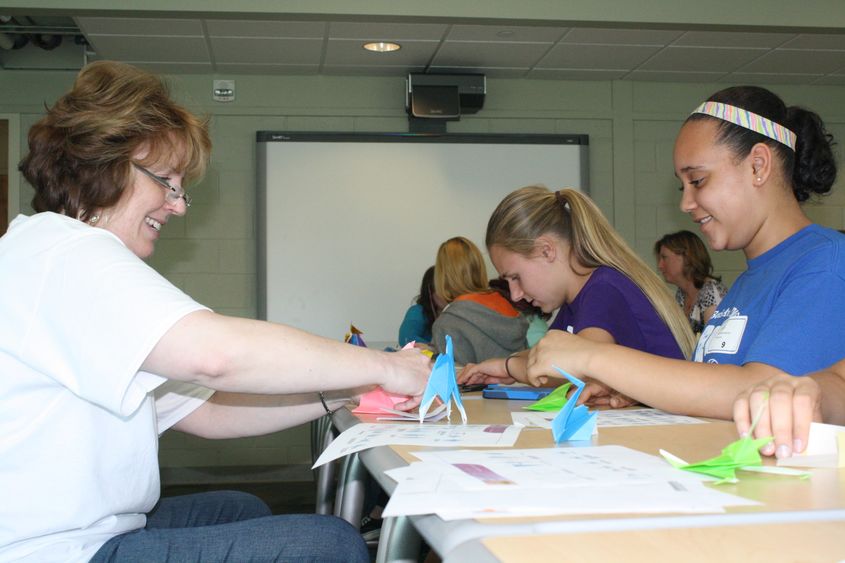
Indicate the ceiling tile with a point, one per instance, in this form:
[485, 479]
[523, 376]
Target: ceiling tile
[798, 62]
[732, 39]
[594, 35]
[766, 78]
[161, 49]
[266, 51]
[575, 74]
[504, 33]
[274, 29]
[351, 52]
[475, 54]
[607, 57]
[140, 26]
[705, 59]
[820, 41]
[386, 31]
[498, 72]
[251, 68]
[176, 68]
[380, 70]
[666, 76]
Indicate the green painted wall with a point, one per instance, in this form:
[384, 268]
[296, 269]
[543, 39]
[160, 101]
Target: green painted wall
[210, 253]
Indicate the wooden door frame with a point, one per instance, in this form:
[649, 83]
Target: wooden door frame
[14, 156]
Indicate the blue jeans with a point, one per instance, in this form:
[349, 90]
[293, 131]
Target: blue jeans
[236, 527]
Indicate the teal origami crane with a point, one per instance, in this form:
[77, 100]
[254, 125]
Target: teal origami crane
[573, 422]
[443, 383]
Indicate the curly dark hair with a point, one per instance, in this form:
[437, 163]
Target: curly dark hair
[811, 168]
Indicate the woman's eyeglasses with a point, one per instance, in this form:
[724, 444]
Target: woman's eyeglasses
[174, 194]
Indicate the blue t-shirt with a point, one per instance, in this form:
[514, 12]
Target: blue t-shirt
[786, 310]
[612, 302]
[414, 326]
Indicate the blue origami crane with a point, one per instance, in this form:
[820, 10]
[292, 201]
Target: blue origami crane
[573, 423]
[442, 383]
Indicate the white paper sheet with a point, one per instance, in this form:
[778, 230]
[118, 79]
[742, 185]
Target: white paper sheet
[431, 416]
[588, 480]
[369, 435]
[607, 418]
[822, 448]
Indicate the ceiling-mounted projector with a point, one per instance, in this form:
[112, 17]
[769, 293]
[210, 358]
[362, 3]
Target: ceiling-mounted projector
[444, 96]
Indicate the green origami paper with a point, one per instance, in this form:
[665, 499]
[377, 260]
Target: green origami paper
[737, 455]
[554, 401]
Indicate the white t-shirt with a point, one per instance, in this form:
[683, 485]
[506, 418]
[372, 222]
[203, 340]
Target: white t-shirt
[79, 423]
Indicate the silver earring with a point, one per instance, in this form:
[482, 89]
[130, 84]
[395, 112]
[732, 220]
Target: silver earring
[93, 220]
[759, 179]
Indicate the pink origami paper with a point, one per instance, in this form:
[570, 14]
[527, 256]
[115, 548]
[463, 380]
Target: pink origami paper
[378, 399]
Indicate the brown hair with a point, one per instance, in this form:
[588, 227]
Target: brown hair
[459, 269]
[530, 212]
[686, 244]
[79, 158]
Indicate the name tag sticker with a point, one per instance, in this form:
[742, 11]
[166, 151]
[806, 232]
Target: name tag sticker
[727, 337]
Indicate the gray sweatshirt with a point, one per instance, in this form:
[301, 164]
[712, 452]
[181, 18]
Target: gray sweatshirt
[478, 332]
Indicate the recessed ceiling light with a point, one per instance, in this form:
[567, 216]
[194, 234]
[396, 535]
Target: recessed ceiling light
[382, 46]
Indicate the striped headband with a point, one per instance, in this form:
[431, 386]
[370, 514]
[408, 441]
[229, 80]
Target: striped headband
[749, 120]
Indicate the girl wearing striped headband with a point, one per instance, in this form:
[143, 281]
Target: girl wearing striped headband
[745, 160]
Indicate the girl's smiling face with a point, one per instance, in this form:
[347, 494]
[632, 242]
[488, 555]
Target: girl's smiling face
[143, 209]
[718, 189]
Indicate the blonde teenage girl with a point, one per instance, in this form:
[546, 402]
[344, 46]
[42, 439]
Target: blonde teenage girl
[557, 251]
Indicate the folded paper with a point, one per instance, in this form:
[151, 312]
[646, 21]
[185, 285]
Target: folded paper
[354, 336]
[443, 383]
[554, 401]
[573, 422]
[379, 401]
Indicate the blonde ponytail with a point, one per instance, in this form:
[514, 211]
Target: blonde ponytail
[530, 212]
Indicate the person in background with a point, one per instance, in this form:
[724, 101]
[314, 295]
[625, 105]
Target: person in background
[481, 322]
[793, 403]
[746, 162]
[416, 326]
[557, 250]
[538, 321]
[684, 262]
[100, 354]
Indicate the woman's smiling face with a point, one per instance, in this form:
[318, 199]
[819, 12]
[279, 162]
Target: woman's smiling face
[718, 191]
[144, 209]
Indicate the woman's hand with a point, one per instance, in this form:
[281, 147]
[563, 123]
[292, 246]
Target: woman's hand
[793, 402]
[561, 349]
[408, 375]
[488, 371]
[597, 394]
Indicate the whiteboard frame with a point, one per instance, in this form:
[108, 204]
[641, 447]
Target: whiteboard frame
[265, 138]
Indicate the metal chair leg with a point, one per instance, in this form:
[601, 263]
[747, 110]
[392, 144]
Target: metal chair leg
[399, 542]
[351, 490]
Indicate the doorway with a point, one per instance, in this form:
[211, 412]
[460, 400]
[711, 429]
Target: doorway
[9, 175]
[4, 175]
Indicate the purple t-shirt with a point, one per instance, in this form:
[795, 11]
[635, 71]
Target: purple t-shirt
[611, 301]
